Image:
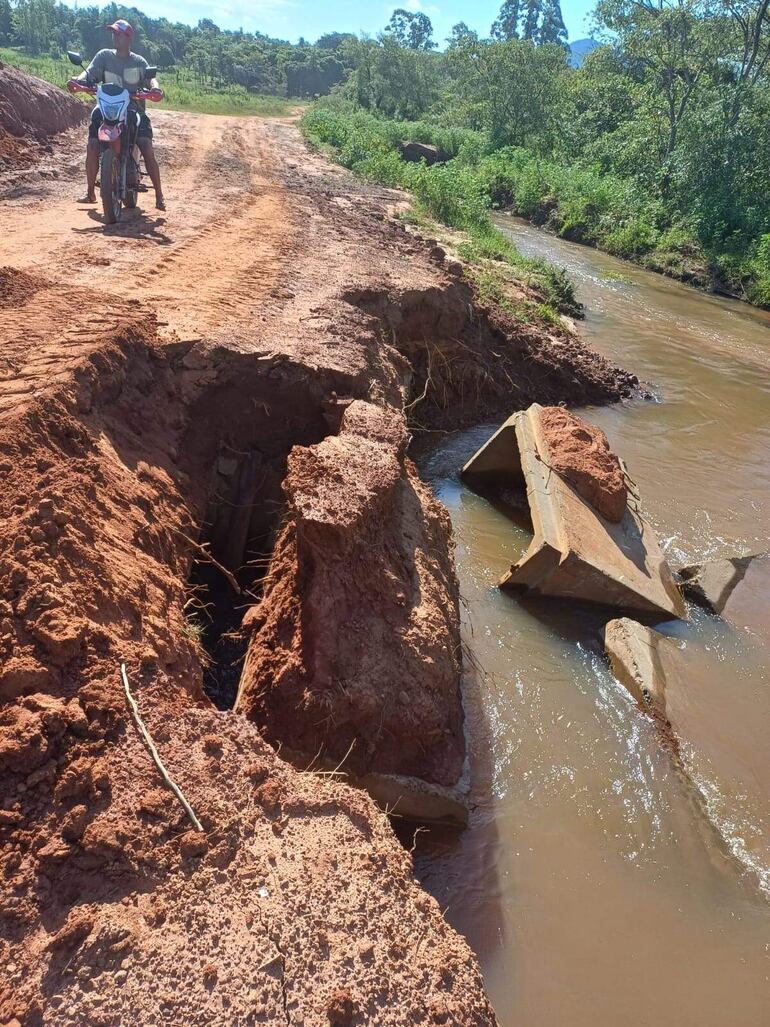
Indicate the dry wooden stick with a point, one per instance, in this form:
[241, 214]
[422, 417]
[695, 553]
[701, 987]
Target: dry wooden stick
[154, 752]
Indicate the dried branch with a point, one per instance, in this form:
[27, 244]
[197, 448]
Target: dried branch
[206, 555]
[154, 752]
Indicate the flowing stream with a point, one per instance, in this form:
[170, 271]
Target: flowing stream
[601, 885]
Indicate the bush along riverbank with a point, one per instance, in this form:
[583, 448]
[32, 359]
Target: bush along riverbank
[533, 291]
[606, 211]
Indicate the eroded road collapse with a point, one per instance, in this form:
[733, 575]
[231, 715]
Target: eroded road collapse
[248, 402]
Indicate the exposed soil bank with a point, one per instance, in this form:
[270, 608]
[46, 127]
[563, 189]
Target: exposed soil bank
[127, 454]
[32, 112]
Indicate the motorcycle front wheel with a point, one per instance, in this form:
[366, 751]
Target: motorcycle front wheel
[110, 185]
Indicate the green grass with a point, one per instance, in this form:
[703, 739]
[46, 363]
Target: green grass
[451, 194]
[183, 92]
[579, 203]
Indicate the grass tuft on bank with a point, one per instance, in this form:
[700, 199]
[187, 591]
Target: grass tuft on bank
[183, 92]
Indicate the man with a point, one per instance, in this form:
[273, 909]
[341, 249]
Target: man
[122, 68]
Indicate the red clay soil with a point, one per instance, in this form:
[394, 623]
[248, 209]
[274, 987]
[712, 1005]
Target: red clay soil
[112, 909]
[16, 153]
[368, 662]
[581, 454]
[32, 113]
[33, 109]
[17, 287]
[126, 439]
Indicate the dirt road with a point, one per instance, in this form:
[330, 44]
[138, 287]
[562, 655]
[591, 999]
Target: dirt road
[215, 254]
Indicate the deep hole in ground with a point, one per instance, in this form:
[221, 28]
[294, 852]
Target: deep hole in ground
[240, 435]
[455, 366]
[244, 506]
[215, 616]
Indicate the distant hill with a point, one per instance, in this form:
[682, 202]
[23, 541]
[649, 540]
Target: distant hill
[580, 49]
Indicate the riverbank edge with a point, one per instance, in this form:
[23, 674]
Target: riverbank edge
[697, 276]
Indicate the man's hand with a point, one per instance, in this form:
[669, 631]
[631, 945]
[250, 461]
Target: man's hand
[73, 84]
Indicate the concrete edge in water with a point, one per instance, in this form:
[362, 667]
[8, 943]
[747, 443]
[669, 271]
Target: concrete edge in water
[575, 552]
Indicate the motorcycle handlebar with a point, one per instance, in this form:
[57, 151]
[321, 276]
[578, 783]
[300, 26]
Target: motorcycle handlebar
[154, 95]
[80, 87]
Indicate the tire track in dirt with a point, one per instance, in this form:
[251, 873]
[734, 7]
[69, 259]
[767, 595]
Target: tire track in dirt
[41, 341]
[216, 253]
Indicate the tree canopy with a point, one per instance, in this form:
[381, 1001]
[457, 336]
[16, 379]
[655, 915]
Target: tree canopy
[412, 29]
[540, 21]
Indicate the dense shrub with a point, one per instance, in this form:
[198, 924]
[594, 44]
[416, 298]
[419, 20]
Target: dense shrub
[581, 203]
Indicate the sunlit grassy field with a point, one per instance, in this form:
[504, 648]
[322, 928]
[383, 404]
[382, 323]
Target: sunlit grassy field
[183, 93]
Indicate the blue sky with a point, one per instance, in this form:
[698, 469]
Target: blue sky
[289, 19]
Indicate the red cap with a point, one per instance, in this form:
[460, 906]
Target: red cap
[122, 26]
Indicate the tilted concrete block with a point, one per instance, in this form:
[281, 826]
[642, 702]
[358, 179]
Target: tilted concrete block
[575, 551]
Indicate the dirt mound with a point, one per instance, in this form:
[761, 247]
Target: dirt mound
[356, 647]
[581, 454]
[32, 108]
[17, 287]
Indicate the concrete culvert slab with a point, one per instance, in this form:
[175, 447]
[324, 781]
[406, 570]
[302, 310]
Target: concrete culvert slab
[734, 588]
[634, 653]
[716, 735]
[576, 551]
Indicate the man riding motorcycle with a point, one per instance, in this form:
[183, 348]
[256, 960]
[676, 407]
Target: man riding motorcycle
[128, 70]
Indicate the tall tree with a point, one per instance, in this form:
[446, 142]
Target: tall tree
[552, 28]
[506, 25]
[531, 19]
[412, 29]
[672, 44]
[512, 89]
[333, 40]
[6, 23]
[749, 22]
[540, 21]
[460, 31]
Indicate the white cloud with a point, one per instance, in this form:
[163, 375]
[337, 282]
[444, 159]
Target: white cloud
[418, 5]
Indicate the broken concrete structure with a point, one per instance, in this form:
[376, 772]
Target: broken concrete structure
[637, 656]
[414, 799]
[713, 723]
[576, 552]
[734, 588]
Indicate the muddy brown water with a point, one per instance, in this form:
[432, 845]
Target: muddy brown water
[600, 883]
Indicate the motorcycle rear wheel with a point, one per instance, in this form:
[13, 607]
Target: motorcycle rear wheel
[110, 185]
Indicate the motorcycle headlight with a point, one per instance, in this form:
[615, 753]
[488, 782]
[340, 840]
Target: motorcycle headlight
[112, 111]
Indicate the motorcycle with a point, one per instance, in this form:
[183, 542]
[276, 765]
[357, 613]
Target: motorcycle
[119, 159]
